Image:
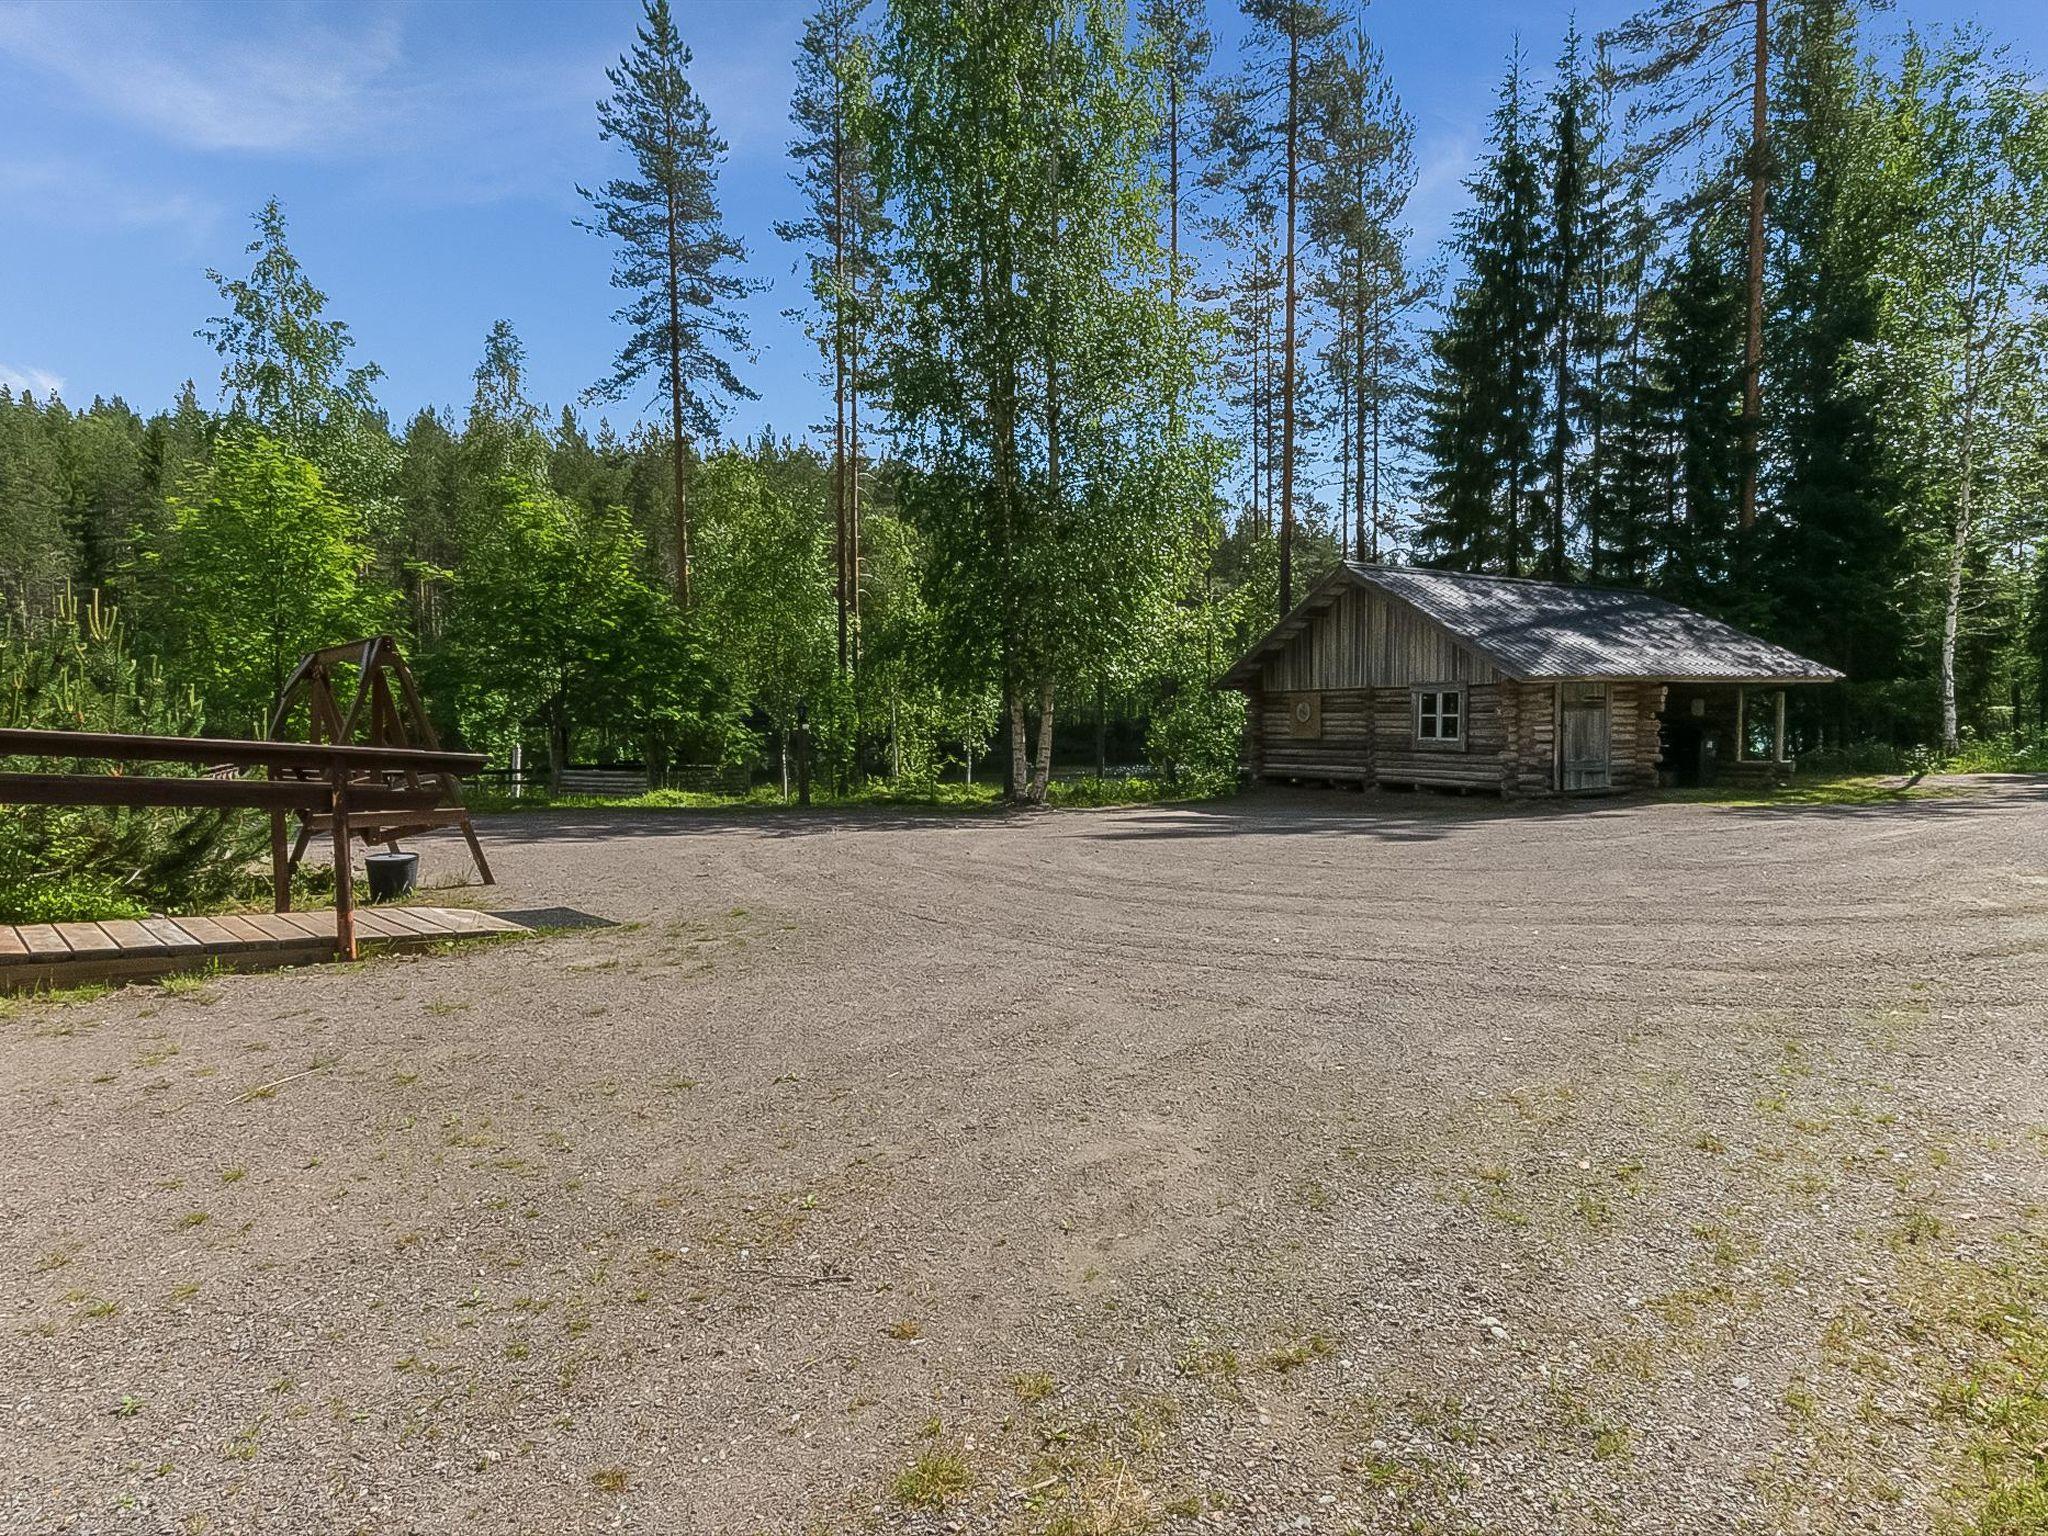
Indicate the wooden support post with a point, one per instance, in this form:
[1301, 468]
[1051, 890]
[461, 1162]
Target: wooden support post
[280, 864]
[344, 880]
[1741, 723]
[1778, 730]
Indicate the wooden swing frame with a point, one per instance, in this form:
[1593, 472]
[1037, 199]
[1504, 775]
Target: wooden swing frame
[386, 712]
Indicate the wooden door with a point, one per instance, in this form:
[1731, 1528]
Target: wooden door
[1583, 736]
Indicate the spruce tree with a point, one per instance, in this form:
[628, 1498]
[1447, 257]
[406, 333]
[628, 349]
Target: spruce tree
[1834, 571]
[1483, 506]
[673, 252]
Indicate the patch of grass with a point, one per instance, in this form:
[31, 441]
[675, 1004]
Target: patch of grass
[194, 985]
[1818, 790]
[905, 1329]
[609, 1479]
[2000, 1487]
[1215, 1366]
[1293, 1356]
[1033, 1386]
[192, 1220]
[938, 1476]
[1610, 1441]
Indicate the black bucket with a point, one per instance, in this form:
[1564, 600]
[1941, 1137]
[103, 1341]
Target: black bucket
[392, 875]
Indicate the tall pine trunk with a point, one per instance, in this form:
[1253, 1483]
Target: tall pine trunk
[1753, 341]
[675, 402]
[1287, 384]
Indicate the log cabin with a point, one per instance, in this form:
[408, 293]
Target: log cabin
[1395, 675]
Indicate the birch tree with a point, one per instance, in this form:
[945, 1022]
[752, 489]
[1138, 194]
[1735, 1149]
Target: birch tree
[1964, 323]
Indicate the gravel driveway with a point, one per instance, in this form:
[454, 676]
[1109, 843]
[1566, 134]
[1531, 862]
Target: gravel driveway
[1300, 1162]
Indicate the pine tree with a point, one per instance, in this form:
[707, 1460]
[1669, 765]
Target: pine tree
[1259, 133]
[1177, 49]
[1483, 404]
[672, 251]
[844, 229]
[1361, 177]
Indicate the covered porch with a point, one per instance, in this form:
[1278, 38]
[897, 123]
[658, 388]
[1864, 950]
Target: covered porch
[1725, 733]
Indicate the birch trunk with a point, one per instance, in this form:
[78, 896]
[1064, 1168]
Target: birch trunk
[1020, 754]
[1958, 563]
[1041, 773]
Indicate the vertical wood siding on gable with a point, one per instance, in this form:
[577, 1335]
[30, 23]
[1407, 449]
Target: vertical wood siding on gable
[1365, 640]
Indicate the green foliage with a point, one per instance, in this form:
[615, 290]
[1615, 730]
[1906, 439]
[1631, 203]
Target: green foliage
[255, 563]
[1484, 401]
[69, 667]
[554, 626]
[668, 242]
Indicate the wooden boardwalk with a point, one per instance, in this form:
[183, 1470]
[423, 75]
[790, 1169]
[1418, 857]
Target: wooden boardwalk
[68, 954]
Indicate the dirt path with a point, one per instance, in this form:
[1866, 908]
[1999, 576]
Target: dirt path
[1296, 1163]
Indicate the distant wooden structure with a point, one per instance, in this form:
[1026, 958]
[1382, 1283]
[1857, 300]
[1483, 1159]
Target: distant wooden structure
[327, 783]
[384, 711]
[1403, 676]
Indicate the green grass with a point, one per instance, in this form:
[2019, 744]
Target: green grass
[964, 798]
[1833, 789]
[2002, 1486]
[939, 1475]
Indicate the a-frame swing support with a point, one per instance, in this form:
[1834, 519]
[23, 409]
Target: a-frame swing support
[386, 711]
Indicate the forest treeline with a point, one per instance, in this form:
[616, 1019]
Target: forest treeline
[1126, 342]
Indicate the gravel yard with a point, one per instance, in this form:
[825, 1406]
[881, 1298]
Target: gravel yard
[1299, 1162]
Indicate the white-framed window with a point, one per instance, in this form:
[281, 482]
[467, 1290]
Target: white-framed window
[1440, 716]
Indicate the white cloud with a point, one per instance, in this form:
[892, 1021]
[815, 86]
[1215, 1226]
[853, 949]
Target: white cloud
[79, 196]
[1444, 158]
[40, 381]
[280, 79]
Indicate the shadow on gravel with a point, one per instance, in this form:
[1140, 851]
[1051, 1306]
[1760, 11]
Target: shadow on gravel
[598, 825]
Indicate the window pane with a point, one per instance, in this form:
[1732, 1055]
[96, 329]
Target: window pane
[1451, 702]
[1450, 732]
[1426, 728]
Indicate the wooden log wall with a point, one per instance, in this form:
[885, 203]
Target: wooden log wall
[1343, 751]
[1635, 743]
[1479, 762]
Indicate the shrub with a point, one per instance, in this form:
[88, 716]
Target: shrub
[70, 669]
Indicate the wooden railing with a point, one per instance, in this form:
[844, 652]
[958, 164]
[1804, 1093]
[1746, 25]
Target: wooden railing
[314, 778]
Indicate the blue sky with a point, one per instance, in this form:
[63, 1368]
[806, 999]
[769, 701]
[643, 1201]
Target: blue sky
[427, 156]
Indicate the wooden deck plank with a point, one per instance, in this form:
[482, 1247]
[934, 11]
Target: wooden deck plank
[215, 934]
[464, 920]
[275, 928]
[241, 929]
[408, 918]
[310, 925]
[88, 939]
[129, 935]
[169, 934]
[378, 925]
[43, 939]
[10, 942]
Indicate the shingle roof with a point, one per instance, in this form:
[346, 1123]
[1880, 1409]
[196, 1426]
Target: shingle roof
[1542, 629]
